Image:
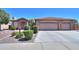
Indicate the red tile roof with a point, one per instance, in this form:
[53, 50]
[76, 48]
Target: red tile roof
[20, 19]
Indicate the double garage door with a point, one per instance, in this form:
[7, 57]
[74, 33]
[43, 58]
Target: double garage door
[53, 26]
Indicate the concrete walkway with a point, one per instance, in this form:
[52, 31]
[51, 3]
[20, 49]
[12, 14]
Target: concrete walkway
[39, 46]
[32, 46]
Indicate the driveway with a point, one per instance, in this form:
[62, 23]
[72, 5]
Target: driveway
[58, 39]
[5, 36]
[58, 36]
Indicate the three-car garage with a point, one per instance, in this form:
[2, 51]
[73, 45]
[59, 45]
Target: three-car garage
[55, 24]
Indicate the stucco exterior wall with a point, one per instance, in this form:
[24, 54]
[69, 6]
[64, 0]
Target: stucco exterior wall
[4, 26]
[16, 24]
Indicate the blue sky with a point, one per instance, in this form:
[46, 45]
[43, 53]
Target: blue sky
[43, 12]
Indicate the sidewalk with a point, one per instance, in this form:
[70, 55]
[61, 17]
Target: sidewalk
[39, 46]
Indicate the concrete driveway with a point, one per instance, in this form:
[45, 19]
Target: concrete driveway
[58, 39]
[58, 36]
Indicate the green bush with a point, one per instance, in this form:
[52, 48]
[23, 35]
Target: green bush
[19, 35]
[9, 27]
[12, 27]
[28, 34]
[26, 27]
[35, 30]
[13, 34]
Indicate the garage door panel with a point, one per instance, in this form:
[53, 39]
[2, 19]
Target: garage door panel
[65, 26]
[48, 26]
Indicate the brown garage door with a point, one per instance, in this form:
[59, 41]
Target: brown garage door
[65, 26]
[48, 26]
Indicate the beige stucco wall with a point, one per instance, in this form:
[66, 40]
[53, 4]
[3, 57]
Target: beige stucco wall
[16, 24]
[4, 26]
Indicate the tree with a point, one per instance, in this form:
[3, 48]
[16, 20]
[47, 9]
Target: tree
[32, 23]
[4, 17]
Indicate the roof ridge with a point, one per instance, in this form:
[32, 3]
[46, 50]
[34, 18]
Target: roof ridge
[55, 18]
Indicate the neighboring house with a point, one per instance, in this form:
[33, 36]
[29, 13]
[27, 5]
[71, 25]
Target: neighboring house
[19, 23]
[51, 23]
[4, 26]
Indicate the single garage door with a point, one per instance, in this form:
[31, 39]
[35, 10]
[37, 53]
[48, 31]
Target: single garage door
[65, 26]
[48, 26]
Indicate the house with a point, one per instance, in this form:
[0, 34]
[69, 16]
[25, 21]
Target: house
[19, 23]
[52, 23]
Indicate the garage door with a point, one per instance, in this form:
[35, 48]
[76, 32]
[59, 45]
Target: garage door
[65, 26]
[48, 26]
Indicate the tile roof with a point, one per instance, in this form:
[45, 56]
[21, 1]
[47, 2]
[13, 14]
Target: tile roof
[53, 18]
[20, 19]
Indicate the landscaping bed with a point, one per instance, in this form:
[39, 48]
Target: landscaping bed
[24, 35]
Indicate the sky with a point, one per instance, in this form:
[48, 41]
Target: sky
[31, 13]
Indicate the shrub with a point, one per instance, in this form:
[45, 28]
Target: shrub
[9, 27]
[26, 27]
[19, 35]
[13, 34]
[12, 27]
[35, 29]
[28, 34]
